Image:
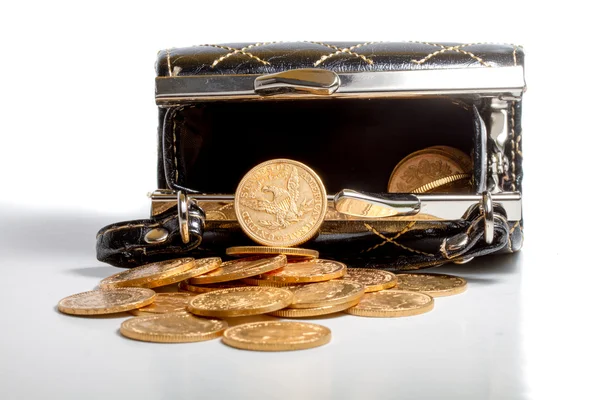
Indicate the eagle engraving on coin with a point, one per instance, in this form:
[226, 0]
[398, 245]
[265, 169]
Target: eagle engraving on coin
[286, 205]
[280, 203]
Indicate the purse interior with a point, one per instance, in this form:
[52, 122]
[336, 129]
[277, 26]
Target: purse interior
[350, 143]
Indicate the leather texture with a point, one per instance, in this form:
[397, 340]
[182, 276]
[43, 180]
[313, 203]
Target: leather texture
[421, 246]
[358, 141]
[123, 244]
[270, 57]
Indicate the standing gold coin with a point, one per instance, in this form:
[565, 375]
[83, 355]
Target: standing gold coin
[276, 336]
[179, 327]
[392, 303]
[293, 252]
[106, 301]
[435, 285]
[374, 280]
[313, 312]
[188, 287]
[147, 275]
[165, 303]
[325, 293]
[423, 167]
[237, 302]
[242, 268]
[306, 272]
[280, 203]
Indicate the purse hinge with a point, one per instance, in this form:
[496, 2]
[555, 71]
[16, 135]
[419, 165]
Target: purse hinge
[498, 161]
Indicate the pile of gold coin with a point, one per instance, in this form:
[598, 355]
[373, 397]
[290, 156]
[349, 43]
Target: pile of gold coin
[279, 204]
[213, 293]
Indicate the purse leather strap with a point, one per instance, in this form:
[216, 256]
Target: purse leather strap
[129, 243]
[126, 244]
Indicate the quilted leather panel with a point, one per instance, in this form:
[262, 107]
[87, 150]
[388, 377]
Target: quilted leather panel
[270, 57]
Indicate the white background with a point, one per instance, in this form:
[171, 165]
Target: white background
[78, 151]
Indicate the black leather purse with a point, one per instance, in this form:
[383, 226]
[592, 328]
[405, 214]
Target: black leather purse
[350, 111]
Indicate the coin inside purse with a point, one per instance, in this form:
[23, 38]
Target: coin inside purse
[351, 143]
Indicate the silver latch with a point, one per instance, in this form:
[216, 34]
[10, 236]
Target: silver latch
[352, 205]
[305, 80]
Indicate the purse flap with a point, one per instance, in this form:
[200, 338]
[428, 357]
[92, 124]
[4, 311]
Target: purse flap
[206, 72]
[271, 57]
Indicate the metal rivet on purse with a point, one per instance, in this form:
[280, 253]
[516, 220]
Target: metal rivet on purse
[156, 235]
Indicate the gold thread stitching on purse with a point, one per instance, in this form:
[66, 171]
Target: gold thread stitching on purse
[244, 52]
[474, 224]
[332, 47]
[347, 50]
[513, 165]
[457, 48]
[426, 43]
[388, 240]
[435, 53]
[479, 59]
[518, 46]
[402, 232]
[415, 251]
[517, 225]
[233, 51]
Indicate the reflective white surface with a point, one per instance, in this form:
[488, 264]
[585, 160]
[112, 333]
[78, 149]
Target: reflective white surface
[509, 335]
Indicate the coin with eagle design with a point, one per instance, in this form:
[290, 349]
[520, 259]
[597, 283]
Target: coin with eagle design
[280, 203]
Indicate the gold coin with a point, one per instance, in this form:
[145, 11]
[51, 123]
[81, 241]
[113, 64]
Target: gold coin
[179, 327]
[435, 285]
[293, 252]
[201, 266]
[242, 268]
[374, 280]
[423, 167]
[145, 275]
[106, 301]
[280, 203]
[325, 293]
[276, 336]
[307, 271]
[165, 303]
[392, 303]
[237, 302]
[313, 312]
[451, 183]
[459, 156]
[188, 287]
[263, 282]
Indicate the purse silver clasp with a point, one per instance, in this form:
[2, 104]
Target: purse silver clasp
[304, 80]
